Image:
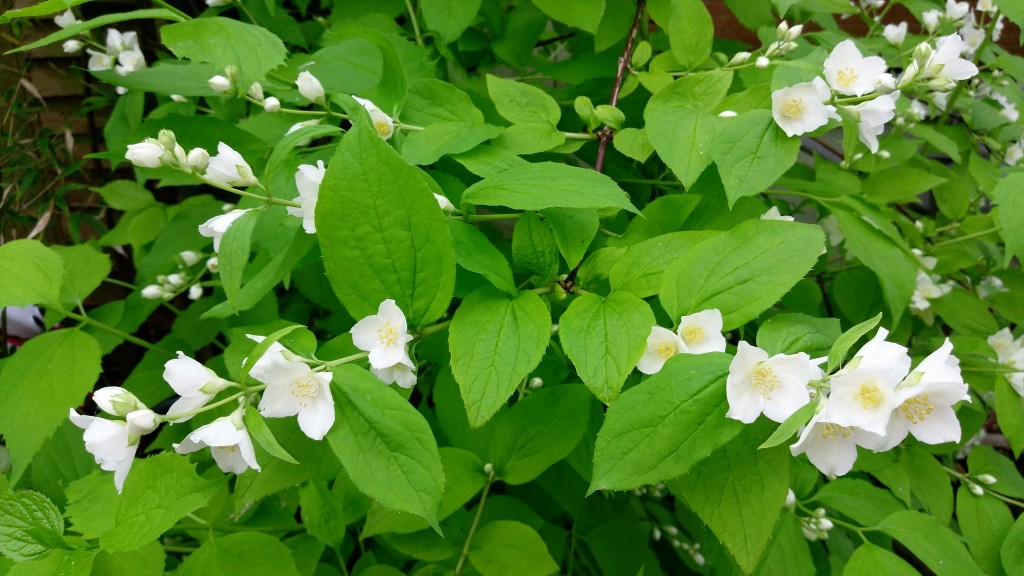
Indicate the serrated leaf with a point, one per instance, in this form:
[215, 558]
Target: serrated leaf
[30, 525]
[752, 152]
[548, 185]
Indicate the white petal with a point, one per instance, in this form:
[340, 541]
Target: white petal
[220, 432]
[123, 467]
[186, 376]
[938, 427]
[278, 401]
[187, 404]
[316, 419]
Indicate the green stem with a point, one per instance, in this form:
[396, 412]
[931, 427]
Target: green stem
[119, 333]
[487, 217]
[415, 22]
[245, 193]
[965, 478]
[965, 237]
[339, 361]
[121, 283]
[579, 136]
[217, 404]
[476, 521]
[434, 329]
[184, 17]
[666, 183]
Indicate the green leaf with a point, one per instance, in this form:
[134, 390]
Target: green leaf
[660, 428]
[583, 14]
[790, 425]
[742, 271]
[138, 227]
[860, 500]
[449, 18]
[431, 101]
[496, 341]
[690, 32]
[752, 152]
[249, 553]
[41, 9]
[315, 459]
[679, 124]
[125, 195]
[938, 140]
[984, 522]
[146, 561]
[985, 460]
[105, 20]
[224, 42]
[788, 554]
[474, 252]
[32, 274]
[548, 185]
[574, 230]
[390, 93]
[67, 364]
[642, 268]
[322, 512]
[234, 252]
[529, 138]
[870, 560]
[739, 492]
[842, 345]
[508, 547]
[791, 333]
[259, 431]
[85, 268]
[929, 483]
[352, 66]
[521, 103]
[934, 544]
[92, 505]
[633, 143]
[895, 269]
[385, 445]
[538, 431]
[442, 138]
[1009, 214]
[262, 346]
[30, 525]
[1012, 551]
[605, 338]
[381, 232]
[900, 184]
[534, 246]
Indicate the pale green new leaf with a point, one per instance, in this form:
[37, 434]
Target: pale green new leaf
[508, 547]
[85, 268]
[548, 185]
[1009, 214]
[495, 342]
[605, 338]
[574, 229]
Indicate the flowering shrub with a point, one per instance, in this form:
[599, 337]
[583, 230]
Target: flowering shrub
[528, 287]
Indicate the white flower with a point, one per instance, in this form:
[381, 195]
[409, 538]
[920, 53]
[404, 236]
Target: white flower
[973, 36]
[872, 116]
[861, 398]
[918, 110]
[73, 46]
[293, 388]
[1014, 154]
[1009, 110]
[850, 73]
[116, 401]
[194, 383]
[310, 87]
[880, 355]
[129, 61]
[662, 344]
[924, 402]
[990, 286]
[147, 154]
[24, 322]
[217, 226]
[802, 108]
[444, 203]
[141, 422]
[198, 159]
[957, 10]
[229, 168]
[1005, 345]
[384, 335]
[99, 60]
[110, 444]
[830, 447]
[986, 5]
[946, 63]
[774, 214]
[930, 19]
[895, 33]
[885, 84]
[66, 19]
[195, 292]
[382, 123]
[118, 41]
[271, 104]
[1016, 379]
[228, 440]
[757, 384]
[308, 180]
[403, 373]
[219, 84]
[928, 288]
[702, 332]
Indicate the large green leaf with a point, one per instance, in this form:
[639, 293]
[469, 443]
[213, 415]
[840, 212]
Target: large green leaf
[381, 232]
[449, 18]
[66, 364]
[233, 256]
[870, 560]
[742, 271]
[509, 547]
[984, 522]
[548, 185]
[31, 273]
[752, 152]
[583, 14]
[495, 341]
[521, 103]
[85, 268]
[934, 544]
[538, 431]
[1009, 213]
[604, 338]
[679, 123]
[660, 428]
[642, 267]
[791, 333]
[224, 42]
[442, 138]
[690, 32]
[739, 492]
[249, 553]
[474, 252]
[385, 444]
[30, 525]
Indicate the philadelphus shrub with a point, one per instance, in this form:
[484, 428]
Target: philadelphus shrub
[527, 287]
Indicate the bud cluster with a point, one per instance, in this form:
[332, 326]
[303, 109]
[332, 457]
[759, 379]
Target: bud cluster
[168, 286]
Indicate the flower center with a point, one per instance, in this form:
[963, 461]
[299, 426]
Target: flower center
[304, 389]
[793, 108]
[382, 127]
[387, 334]
[693, 334]
[833, 431]
[228, 449]
[765, 381]
[868, 395]
[845, 77]
[666, 350]
[915, 409]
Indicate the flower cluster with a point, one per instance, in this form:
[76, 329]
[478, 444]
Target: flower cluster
[113, 443]
[185, 279]
[697, 333]
[120, 54]
[874, 402]
[929, 287]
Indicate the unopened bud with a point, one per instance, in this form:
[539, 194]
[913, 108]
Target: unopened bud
[255, 91]
[220, 84]
[212, 265]
[198, 159]
[986, 479]
[116, 401]
[536, 382]
[153, 292]
[271, 105]
[739, 58]
[141, 422]
[656, 534]
[791, 499]
[178, 98]
[761, 63]
[884, 154]
[671, 530]
[167, 139]
[488, 468]
[73, 46]
[793, 33]
[975, 489]
[176, 280]
[190, 258]
[195, 292]
[781, 30]
[554, 329]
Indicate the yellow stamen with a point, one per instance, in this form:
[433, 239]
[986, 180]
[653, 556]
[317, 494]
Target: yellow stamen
[693, 334]
[387, 334]
[917, 408]
[845, 77]
[869, 395]
[832, 431]
[666, 350]
[793, 108]
[765, 381]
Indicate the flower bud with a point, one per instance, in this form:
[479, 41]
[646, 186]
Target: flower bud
[922, 54]
[213, 265]
[190, 257]
[885, 83]
[819, 513]
[793, 33]
[195, 292]
[255, 91]
[986, 479]
[727, 114]
[220, 84]
[116, 401]
[788, 47]
[824, 524]
[73, 46]
[739, 58]
[271, 105]
[975, 489]
[198, 159]
[782, 30]
[141, 421]
[176, 280]
[554, 329]
[671, 530]
[761, 63]
[884, 154]
[167, 139]
[178, 98]
[790, 499]
[488, 468]
[941, 84]
[310, 87]
[536, 382]
[153, 292]
[444, 203]
[147, 154]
